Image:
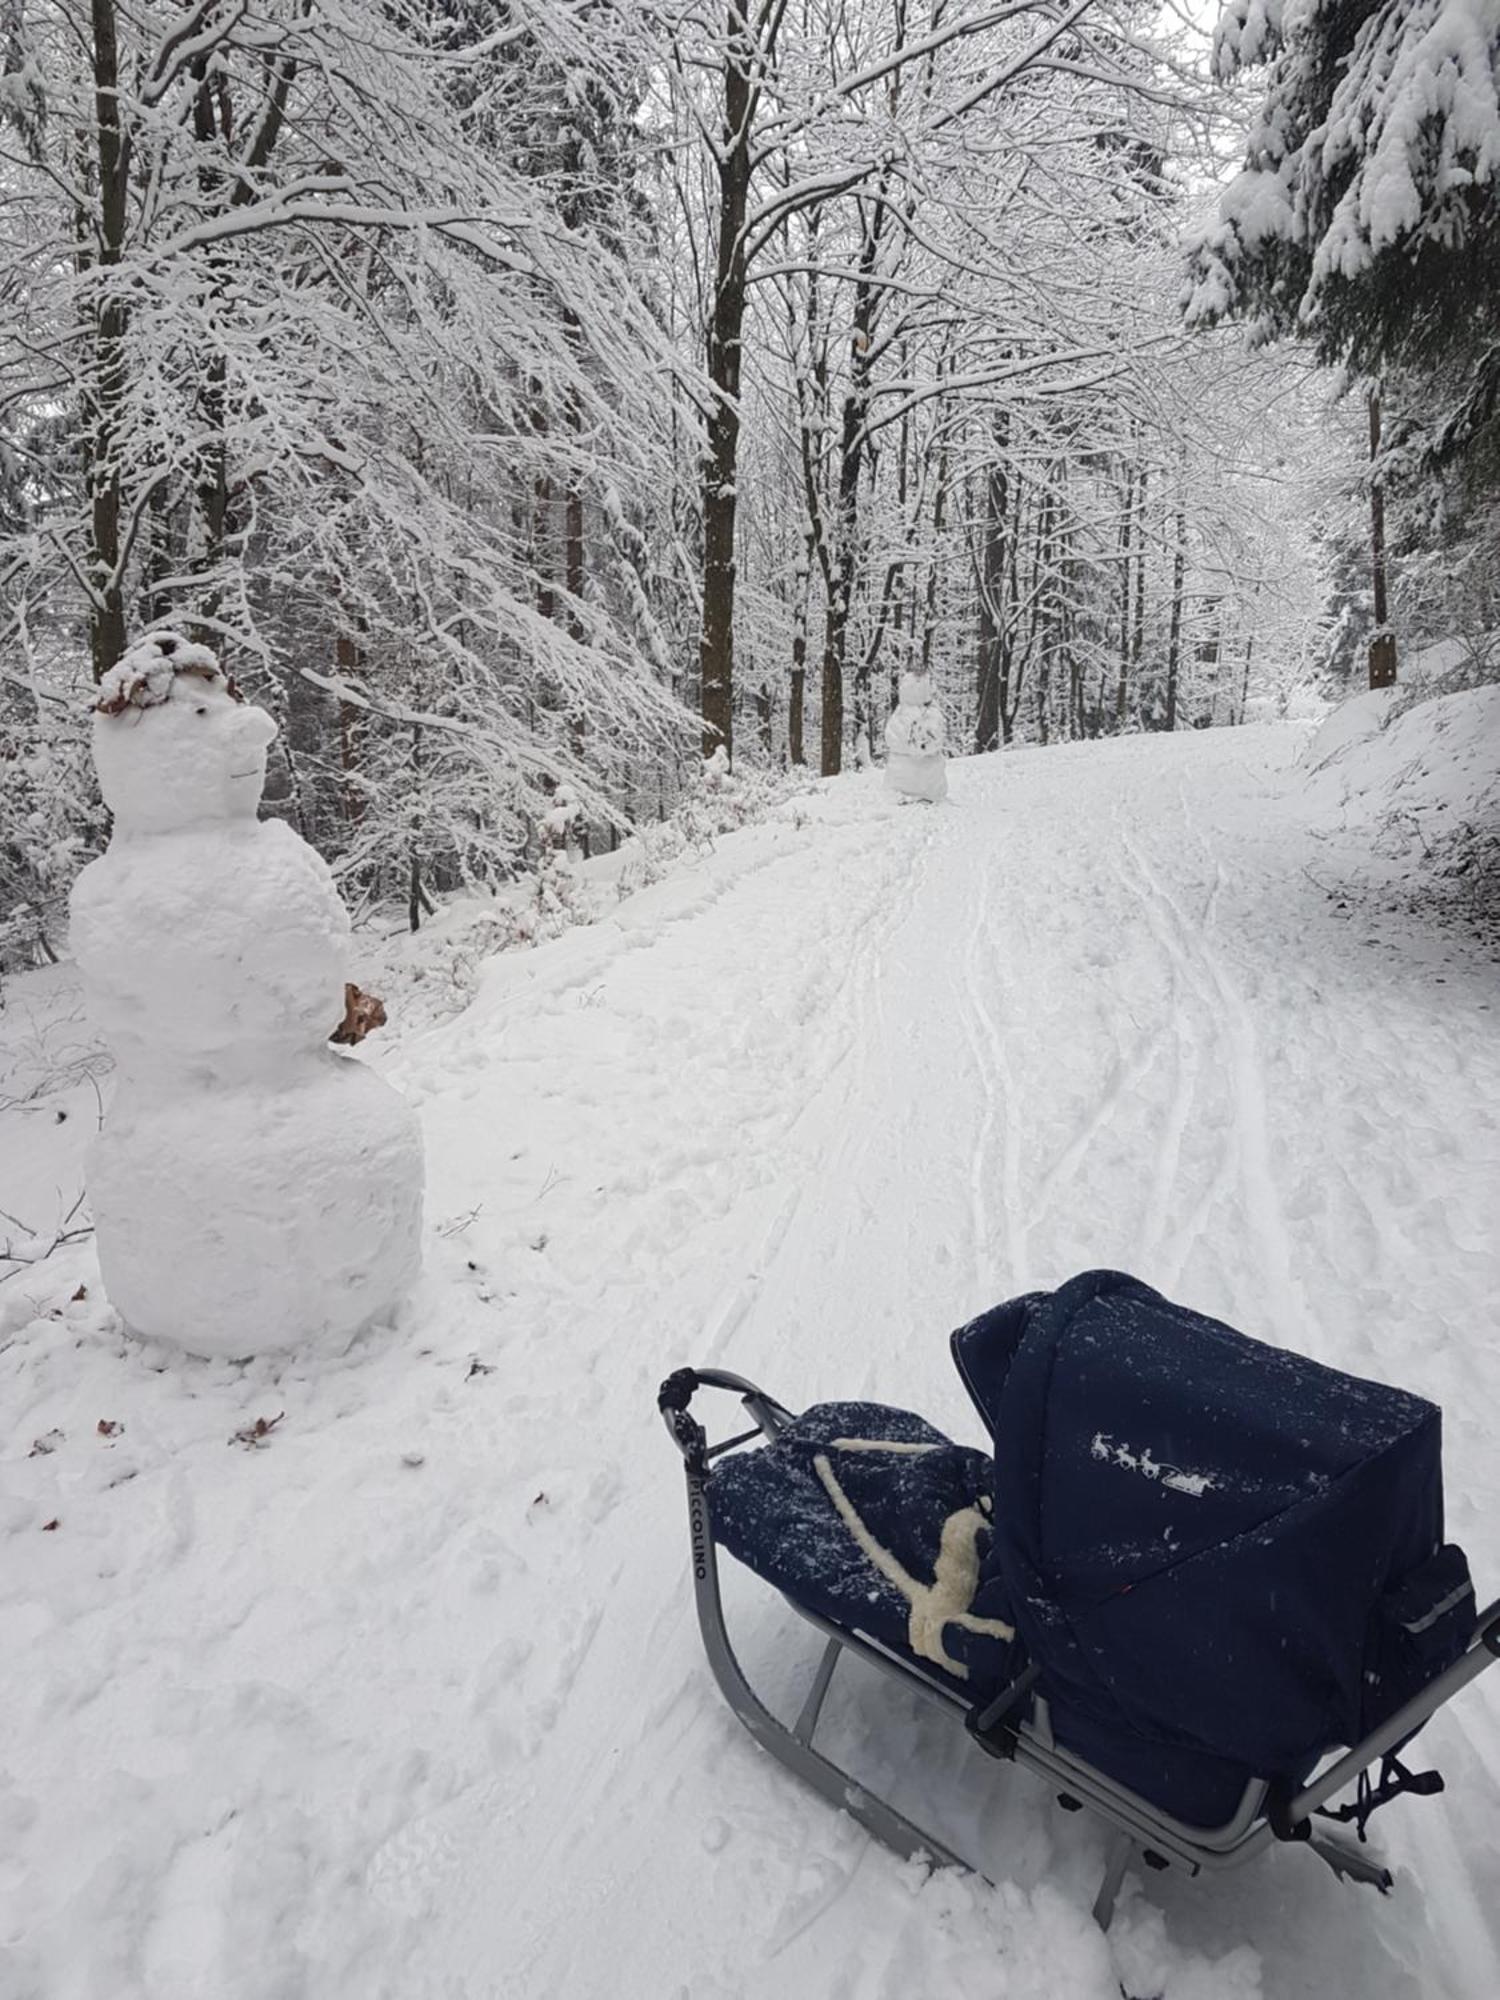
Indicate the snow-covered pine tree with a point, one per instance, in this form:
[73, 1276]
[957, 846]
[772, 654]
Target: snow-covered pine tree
[1366, 215]
[1366, 220]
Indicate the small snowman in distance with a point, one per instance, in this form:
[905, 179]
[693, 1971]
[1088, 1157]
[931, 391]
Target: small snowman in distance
[253, 1189]
[915, 765]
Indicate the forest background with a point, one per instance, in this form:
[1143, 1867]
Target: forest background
[529, 398]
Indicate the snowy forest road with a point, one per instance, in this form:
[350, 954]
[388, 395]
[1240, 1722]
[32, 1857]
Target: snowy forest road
[1095, 1012]
[410, 1703]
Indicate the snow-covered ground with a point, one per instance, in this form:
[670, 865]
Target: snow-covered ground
[380, 1678]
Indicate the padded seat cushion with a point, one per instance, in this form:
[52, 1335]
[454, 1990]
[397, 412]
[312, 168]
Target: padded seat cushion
[873, 1519]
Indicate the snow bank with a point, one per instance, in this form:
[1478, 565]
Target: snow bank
[1353, 721]
[1455, 659]
[1449, 666]
[1421, 777]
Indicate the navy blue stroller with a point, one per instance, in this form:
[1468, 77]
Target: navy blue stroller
[1201, 1587]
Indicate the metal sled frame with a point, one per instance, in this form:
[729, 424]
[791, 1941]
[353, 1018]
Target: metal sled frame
[1015, 1725]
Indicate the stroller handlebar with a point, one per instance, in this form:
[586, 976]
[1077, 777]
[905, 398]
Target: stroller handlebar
[674, 1399]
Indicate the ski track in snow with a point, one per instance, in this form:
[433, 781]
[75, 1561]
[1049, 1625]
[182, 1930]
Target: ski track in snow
[409, 1700]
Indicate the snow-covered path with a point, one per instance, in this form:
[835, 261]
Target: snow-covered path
[409, 1701]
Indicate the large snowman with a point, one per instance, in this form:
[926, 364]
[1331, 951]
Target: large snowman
[252, 1188]
[915, 764]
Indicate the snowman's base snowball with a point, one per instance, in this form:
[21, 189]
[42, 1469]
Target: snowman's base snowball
[917, 777]
[242, 1222]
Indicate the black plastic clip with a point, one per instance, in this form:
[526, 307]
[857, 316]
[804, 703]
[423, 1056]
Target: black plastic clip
[1279, 1815]
[689, 1436]
[1370, 1797]
[678, 1390]
[991, 1727]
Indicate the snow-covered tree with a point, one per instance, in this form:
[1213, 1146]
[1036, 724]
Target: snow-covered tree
[1366, 214]
[301, 356]
[1365, 220]
[903, 185]
[478, 376]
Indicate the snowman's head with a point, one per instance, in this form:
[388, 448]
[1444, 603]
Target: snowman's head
[916, 690]
[174, 744]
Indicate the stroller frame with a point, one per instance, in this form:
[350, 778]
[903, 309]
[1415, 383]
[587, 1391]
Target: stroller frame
[1004, 1728]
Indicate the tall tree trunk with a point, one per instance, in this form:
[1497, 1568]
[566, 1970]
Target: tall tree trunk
[102, 441]
[851, 465]
[810, 423]
[573, 580]
[905, 619]
[831, 747]
[348, 660]
[725, 331]
[541, 531]
[797, 700]
[1013, 680]
[939, 511]
[887, 619]
[417, 898]
[161, 556]
[1138, 629]
[575, 568]
[218, 193]
[1383, 643]
[1048, 604]
[211, 468]
[1122, 685]
[1174, 634]
[765, 715]
[213, 492]
[993, 623]
[574, 555]
[1075, 695]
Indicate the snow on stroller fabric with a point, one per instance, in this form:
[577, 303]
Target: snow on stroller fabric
[1225, 1559]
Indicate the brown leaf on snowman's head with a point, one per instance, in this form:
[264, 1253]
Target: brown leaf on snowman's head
[140, 690]
[149, 671]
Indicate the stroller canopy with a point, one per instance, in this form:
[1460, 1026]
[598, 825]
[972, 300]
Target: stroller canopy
[1226, 1558]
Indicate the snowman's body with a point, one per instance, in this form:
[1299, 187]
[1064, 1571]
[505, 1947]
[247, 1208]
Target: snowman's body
[252, 1189]
[915, 763]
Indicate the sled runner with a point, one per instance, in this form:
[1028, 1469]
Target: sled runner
[1200, 1588]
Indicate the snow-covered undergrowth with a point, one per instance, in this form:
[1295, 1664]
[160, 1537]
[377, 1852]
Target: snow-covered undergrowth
[378, 1679]
[428, 975]
[1415, 771]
